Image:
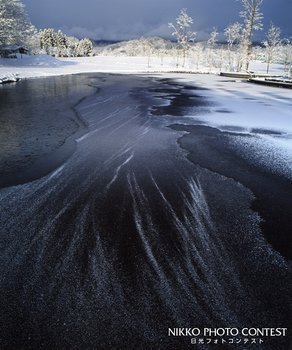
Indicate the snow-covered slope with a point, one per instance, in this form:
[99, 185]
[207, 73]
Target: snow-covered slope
[137, 47]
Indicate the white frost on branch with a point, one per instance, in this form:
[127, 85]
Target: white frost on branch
[252, 18]
[181, 31]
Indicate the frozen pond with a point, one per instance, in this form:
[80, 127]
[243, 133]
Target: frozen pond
[151, 221]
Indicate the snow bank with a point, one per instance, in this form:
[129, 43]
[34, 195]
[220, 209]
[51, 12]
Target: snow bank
[33, 66]
[27, 61]
[8, 78]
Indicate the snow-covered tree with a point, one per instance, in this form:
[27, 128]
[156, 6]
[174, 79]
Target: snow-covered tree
[272, 43]
[252, 18]
[56, 43]
[286, 53]
[211, 43]
[33, 43]
[233, 34]
[15, 26]
[163, 49]
[182, 33]
[48, 40]
[72, 44]
[198, 53]
[213, 38]
[62, 43]
[147, 48]
[84, 48]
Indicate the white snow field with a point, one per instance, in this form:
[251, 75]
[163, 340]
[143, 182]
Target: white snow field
[44, 65]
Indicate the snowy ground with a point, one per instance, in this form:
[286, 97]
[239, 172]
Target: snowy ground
[43, 65]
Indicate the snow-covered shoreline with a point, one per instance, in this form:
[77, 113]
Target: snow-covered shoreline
[42, 65]
[9, 78]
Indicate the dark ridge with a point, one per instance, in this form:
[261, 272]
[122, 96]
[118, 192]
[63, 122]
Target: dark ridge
[265, 132]
[223, 110]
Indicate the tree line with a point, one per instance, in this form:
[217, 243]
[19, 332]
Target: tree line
[239, 39]
[16, 29]
[235, 55]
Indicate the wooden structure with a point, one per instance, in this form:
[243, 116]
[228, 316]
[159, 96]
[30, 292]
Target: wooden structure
[10, 51]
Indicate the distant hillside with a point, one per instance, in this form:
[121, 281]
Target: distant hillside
[136, 47]
[99, 43]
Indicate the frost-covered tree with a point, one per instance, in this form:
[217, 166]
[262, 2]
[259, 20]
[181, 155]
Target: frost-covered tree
[252, 18]
[272, 44]
[198, 54]
[286, 53]
[72, 44]
[148, 48]
[62, 42]
[15, 25]
[84, 48]
[233, 34]
[211, 43]
[213, 38]
[33, 43]
[48, 40]
[56, 43]
[182, 33]
[164, 49]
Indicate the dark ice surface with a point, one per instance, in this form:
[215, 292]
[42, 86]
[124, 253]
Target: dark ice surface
[211, 149]
[148, 225]
[38, 119]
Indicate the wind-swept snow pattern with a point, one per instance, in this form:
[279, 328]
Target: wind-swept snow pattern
[128, 237]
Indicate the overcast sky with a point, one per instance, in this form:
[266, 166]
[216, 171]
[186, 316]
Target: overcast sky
[124, 19]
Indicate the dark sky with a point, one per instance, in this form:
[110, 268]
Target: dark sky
[123, 19]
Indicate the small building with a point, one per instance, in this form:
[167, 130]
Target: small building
[10, 51]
